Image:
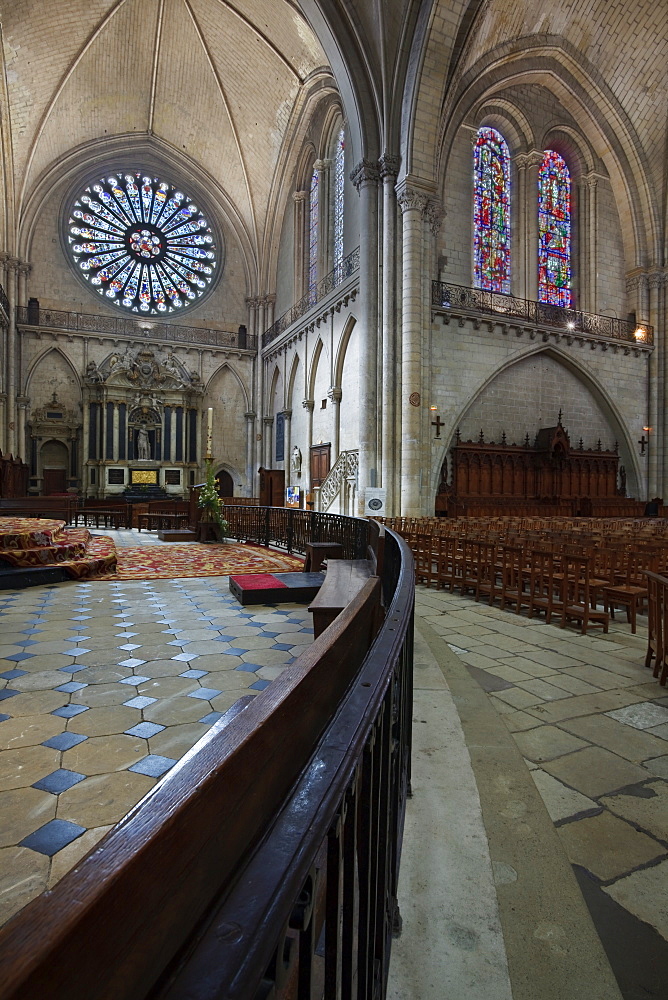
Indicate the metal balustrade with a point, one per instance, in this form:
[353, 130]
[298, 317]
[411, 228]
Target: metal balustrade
[336, 277]
[570, 322]
[134, 329]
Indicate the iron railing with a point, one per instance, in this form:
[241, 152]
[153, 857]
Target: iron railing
[291, 529]
[4, 301]
[120, 326]
[336, 277]
[570, 321]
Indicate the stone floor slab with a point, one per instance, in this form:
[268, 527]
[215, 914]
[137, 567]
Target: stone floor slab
[606, 731]
[560, 801]
[645, 893]
[646, 807]
[546, 743]
[607, 846]
[595, 771]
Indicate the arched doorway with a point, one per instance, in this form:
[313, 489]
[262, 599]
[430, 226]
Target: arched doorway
[225, 484]
[54, 457]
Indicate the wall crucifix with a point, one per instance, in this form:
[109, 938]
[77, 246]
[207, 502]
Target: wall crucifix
[438, 423]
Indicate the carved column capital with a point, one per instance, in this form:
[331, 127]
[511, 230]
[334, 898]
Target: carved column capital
[434, 213]
[409, 200]
[533, 158]
[335, 393]
[308, 404]
[365, 172]
[299, 196]
[286, 414]
[250, 415]
[389, 165]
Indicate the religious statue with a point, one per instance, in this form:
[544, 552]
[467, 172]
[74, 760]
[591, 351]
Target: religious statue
[143, 443]
[296, 461]
[93, 373]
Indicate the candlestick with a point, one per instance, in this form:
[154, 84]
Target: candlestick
[209, 431]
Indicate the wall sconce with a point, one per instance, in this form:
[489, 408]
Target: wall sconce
[640, 333]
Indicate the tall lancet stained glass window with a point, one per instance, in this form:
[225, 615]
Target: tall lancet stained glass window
[313, 233]
[491, 221]
[142, 243]
[339, 180]
[554, 231]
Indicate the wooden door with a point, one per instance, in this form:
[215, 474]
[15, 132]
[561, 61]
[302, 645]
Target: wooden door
[225, 484]
[54, 481]
[320, 463]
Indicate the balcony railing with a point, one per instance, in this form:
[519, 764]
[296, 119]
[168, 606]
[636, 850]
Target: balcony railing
[336, 277]
[4, 301]
[571, 321]
[120, 326]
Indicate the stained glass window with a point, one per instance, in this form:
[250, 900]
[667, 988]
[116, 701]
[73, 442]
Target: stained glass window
[142, 243]
[554, 231]
[491, 222]
[313, 235]
[339, 179]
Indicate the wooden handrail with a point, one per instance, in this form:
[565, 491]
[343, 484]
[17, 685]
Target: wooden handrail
[119, 923]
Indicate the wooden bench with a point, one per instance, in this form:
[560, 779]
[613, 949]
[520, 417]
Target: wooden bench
[344, 579]
[61, 508]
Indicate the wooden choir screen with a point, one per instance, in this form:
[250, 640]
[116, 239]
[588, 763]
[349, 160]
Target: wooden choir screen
[550, 468]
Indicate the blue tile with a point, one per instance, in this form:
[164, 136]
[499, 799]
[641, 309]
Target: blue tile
[30, 642]
[206, 694]
[17, 657]
[30, 631]
[250, 667]
[69, 711]
[154, 765]
[194, 673]
[211, 718]
[270, 635]
[294, 621]
[64, 741]
[233, 651]
[140, 702]
[282, 646]
[137, 679]
[52, 837]
[260, 685]
[3, 718]
[74, 668]
[70, 687]
[145, 730]
[59, 781]
[7, 693]
[9, 675]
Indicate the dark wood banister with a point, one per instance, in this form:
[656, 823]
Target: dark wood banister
[192, 892]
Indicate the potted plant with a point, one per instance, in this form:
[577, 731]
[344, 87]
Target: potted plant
[211, 505]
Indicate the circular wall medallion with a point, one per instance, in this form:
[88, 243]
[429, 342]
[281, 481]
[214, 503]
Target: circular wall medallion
[375, 504]
[414, 399]
[141, 243]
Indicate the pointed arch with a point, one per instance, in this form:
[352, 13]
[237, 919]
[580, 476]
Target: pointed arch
[219, 371]
[343, 348]
[315, 361]
[491, 212]
[40, 358]
[292, 379]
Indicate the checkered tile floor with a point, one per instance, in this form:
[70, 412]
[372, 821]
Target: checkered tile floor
[103, 687]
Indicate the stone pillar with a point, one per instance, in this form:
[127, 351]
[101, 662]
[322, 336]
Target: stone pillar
[656, 417]
[324, 206]
[287, 443]
[250, 451]
[23, 452]
[389, 470]
[528, 165]
[12, 294]
[365, 177]
[335, 393]
[115, 433]
[299, 199]
[85, 480]
[267, 423]
[308, 405]
[412, 204]
[591, 274]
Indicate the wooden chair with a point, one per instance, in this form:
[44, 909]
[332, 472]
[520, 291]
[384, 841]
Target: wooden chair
[513, 577]
[488, 583]
[544, 587]
[632, 593]
[448, 563]
[657, 624]
[576, 594]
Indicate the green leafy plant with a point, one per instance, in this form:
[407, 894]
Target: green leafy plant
[210, 501]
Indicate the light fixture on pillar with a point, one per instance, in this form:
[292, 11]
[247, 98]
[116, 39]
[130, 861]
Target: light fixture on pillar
[640, 334]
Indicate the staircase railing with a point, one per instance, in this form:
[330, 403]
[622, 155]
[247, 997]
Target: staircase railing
[344, 468]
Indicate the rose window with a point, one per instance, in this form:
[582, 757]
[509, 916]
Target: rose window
[142, 244]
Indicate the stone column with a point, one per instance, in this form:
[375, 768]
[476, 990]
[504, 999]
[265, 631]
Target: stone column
[12, 294]
[267, 423]
[4, 366]
[85, 480]
[250, 451]
[389, 168]
[299, 199]
[335, 394]
[308, 405]
[324, 206]
[656, 392]
[287, 443]
[412, 204]
[365, 177]
[528, 165]
[115, 433]
[591, 274]
[22, 449]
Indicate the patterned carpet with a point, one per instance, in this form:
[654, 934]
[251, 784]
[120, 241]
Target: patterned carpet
[170, 562]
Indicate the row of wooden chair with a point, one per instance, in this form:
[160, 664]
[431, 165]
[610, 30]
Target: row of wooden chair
[657, 626]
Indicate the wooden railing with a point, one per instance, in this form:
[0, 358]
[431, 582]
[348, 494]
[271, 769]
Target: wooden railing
[291, 529]
[265, 863]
